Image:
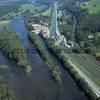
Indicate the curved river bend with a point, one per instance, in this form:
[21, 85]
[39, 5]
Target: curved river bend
[38, 85]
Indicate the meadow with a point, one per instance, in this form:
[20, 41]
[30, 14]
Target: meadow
[93, 6]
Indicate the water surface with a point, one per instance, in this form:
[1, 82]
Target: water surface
[37, 85]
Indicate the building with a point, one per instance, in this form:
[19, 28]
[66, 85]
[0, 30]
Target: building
[44, 32]
[41, 29]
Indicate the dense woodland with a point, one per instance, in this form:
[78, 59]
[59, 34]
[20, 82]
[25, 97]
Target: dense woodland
[87, 25]
[5, 9]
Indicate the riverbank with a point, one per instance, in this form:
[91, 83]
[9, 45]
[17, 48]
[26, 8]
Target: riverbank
[54, 70]
[10, 45]
[5, 91]
[80, 80]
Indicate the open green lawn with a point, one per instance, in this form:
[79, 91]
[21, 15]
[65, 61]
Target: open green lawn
[47, 12]
[33, 8]
[97, 53]
[93, 6]
[4, 22]
[98, 34]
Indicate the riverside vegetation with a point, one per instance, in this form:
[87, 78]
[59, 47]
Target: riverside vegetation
[10, 45]
[37, 40]
[63, 58]
[5, 92]
[54, 70]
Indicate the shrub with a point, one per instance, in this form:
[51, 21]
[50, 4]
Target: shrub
[9, 42]
[54, 70]
[64, 60]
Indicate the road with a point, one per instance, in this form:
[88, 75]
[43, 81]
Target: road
[87, 70]
[90, 71]
[74, 28]
[54, 24]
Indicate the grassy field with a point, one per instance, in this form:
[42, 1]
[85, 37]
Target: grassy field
[89, 68]
[47, 12]
[4, 22]
[32, 8]
[93, 6]
[5, 92]
[98, 34]
[24, 9]
[97, 51]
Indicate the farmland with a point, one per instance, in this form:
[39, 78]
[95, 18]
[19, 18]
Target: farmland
[32, 8]
[90, 69]
[93, 6]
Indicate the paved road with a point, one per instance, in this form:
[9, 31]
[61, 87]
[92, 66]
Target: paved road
[77, 59]
[88, 70]
[54, 24]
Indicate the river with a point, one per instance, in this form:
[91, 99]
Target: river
[37, 85]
